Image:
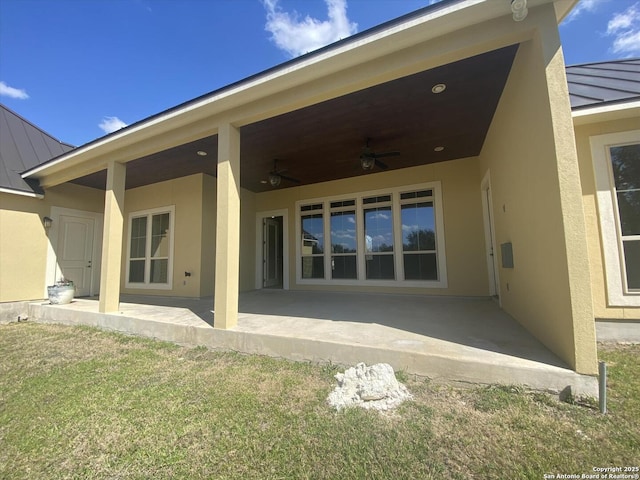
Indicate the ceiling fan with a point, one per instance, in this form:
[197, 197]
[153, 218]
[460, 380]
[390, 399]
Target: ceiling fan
[370, 159]
[276, 176]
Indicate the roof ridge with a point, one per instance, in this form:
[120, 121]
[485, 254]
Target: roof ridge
[35, 126]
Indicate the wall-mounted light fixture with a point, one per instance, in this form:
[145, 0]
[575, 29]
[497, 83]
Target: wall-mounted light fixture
[47, 222]
[519, 10]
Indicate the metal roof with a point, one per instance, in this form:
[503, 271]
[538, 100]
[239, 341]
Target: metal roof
[23, 146]
[596, 84]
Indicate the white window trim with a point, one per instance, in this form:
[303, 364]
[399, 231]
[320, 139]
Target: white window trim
[442, 282]
[611, 237]
[141, 213]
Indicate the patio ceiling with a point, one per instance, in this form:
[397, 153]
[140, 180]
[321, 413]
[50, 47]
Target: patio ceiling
[323, 142]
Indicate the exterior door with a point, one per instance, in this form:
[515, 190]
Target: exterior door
[75, 247]
[494, 283]
[272, 262]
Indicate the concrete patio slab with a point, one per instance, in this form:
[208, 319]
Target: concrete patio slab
[443, 338]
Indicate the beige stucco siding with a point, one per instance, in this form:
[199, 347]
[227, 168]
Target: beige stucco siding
[23, 248]
[594, 239]
[185, 194]
[537, 206]
[24, 242]
[463, 224]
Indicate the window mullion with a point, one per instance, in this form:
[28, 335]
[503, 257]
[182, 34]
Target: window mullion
[361, 244]
[147, 251]
[328, 246]
[398, 250]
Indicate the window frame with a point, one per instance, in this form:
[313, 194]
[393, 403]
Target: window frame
[148, 257]
[398, 256]
[618, 294]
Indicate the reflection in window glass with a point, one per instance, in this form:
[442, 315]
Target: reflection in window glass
[378, 229]
[313, 243]
[418, 227]
[419, 240]
[343, 232]
[312, 234]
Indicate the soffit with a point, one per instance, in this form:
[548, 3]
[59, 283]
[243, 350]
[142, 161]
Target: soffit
[323, 142]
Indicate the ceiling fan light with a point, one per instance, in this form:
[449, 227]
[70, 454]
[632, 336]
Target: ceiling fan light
[367, 163]
[274, 179]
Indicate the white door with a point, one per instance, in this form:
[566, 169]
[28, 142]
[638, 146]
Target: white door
[75, 249]
[272, 253]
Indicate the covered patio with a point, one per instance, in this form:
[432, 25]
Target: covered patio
[444, 338]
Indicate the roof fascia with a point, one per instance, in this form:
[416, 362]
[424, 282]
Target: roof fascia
[421, 26]
[602, 113]
[21, 192]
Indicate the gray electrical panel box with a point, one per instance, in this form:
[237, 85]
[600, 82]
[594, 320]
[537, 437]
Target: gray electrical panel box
[507, 255]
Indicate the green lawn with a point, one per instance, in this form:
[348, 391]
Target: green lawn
[82, 403]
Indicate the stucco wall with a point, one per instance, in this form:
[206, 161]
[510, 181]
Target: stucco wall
[24, 241]
[185, 194]
[462, 211]
[598, 282]
[537, 205]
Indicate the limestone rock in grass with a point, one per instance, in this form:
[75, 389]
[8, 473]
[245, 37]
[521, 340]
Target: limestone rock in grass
[368, 387]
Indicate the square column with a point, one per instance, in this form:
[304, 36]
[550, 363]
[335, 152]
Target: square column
[227, 228]
[112, 238]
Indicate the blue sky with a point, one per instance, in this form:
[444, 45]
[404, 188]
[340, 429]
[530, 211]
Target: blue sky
[80, 68]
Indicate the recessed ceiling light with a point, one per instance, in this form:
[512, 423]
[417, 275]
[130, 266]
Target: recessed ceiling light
[438, 149]
[439, 88]
[202, 153]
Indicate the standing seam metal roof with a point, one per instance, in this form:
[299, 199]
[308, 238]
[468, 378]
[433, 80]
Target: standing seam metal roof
[601, 83]
[23, 146]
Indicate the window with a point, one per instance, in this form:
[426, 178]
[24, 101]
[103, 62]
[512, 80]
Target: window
[312, 239]
[378, 233]
[387, 238]
[418, 236]
[625, 162]
[343, 240]
[616, 159]
[149, 260]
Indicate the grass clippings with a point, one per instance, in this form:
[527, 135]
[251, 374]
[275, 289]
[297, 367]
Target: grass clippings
[78, 402]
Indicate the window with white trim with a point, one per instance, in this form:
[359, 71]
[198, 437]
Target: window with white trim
[616, 159]
[625, 162]
[150, 249]
[392, 237]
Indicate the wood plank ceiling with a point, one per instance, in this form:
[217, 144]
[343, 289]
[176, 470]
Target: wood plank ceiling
[323, 142]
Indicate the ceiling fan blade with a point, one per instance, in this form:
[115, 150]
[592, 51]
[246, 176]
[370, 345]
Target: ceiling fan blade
[381, 165]
[386, 154]
[289, 179]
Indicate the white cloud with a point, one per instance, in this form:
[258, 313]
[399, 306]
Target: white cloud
[583, 6]
[7, 91]
[111, 124]
[625, 28]
[298, 36]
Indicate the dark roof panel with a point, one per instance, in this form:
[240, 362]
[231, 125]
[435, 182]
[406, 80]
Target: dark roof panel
[23, 146]
[595, 84]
